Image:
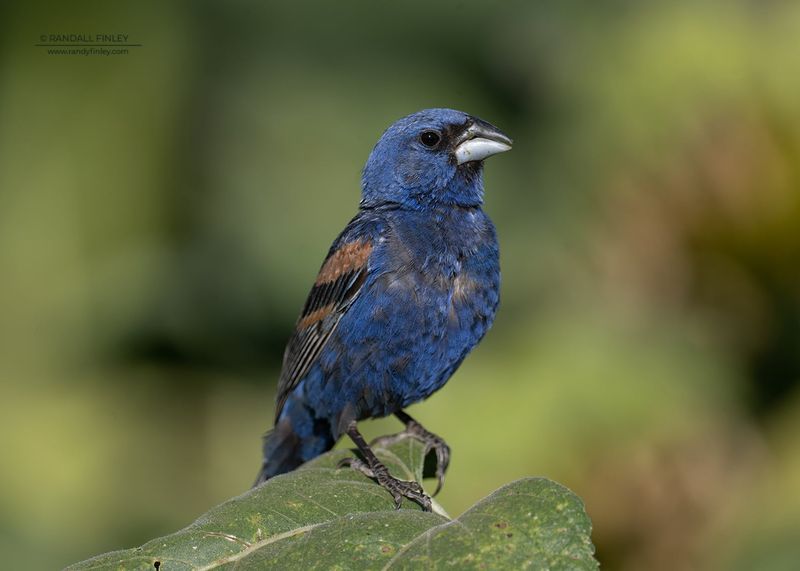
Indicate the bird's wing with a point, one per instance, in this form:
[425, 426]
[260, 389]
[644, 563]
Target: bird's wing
[339, 280]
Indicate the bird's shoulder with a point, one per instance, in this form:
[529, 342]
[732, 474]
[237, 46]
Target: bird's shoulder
[359, 236]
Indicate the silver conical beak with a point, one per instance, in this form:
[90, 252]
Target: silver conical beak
[479, 141]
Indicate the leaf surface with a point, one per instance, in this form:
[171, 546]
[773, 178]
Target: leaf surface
[321, 517]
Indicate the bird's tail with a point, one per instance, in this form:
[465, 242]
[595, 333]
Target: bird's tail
[296, 439]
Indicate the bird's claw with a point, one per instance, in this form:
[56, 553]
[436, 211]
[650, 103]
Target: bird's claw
[406, 489]
[438, 445]
[399, 489]
[431, 441]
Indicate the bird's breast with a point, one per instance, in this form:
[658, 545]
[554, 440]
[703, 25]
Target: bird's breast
[443, 283]
[430, 297]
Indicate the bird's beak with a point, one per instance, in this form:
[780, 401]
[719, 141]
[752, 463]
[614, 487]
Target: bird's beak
[480, 140]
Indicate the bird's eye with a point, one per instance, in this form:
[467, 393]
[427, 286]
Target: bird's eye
[430, 138]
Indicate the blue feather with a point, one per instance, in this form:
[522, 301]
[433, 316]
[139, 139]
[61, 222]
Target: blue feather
[427, 257]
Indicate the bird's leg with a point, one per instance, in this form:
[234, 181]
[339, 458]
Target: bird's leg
[429, 439]
[375, 469]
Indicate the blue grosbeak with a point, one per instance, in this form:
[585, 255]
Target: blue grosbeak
[407, 290]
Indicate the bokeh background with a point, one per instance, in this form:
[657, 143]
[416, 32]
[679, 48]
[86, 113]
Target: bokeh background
[162, 215]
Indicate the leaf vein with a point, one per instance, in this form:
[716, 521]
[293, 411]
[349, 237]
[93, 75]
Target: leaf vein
[258, 545]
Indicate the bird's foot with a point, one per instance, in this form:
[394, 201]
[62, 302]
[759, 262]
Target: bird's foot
[431, 441]
[398, 488]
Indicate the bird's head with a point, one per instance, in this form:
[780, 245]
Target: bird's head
[432, 157]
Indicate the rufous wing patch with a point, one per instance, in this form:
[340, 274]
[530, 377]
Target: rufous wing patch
[347, 258]
[315, 316]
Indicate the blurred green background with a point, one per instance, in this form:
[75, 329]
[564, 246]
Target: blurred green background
[163, 213]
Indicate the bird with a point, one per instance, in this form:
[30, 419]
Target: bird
[406, 291]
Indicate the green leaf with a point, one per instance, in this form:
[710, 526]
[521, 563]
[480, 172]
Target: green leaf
[321, 517]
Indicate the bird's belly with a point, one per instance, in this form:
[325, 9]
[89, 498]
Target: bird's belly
[409, 338]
